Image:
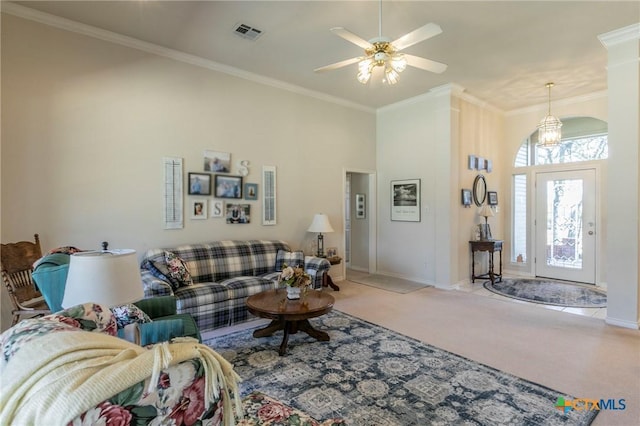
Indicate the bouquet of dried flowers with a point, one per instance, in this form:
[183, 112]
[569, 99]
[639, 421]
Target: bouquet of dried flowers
[294, 276]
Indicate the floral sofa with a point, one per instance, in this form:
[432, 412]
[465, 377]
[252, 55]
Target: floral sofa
[211, 281]
[87, 376]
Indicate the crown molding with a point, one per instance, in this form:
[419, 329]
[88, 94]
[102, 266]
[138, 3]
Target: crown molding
[109, 36]
[621, 35]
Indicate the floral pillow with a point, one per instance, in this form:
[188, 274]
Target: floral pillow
[289, 258]
[178, 271]
[128, 314]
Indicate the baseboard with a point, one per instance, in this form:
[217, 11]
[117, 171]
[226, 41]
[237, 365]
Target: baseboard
[622, 323]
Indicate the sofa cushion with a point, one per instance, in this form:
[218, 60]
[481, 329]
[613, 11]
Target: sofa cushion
[264, 254]
[221, 304]
[178, 273]
[288, 258]
[129, 314]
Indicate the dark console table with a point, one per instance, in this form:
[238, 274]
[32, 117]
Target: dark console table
[490, 246]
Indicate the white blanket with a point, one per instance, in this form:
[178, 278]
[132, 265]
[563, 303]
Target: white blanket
[59, 376]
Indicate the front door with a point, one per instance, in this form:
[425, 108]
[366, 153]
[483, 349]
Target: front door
[565, 225]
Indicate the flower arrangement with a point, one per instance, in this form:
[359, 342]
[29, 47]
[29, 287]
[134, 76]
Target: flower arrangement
[294, 276]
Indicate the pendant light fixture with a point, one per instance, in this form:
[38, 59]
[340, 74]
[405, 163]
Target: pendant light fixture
[549, 133]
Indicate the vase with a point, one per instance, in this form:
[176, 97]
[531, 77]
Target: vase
[293, 293]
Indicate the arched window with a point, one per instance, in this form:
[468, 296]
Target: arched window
[583, 139]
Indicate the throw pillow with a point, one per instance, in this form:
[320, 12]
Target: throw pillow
[129, 314]
[178, 270]
[289, 258]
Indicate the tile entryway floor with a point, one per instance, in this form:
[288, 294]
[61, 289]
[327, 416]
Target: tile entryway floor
[478, 289]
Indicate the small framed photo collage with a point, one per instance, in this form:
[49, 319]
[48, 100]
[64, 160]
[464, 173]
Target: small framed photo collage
[218, 192]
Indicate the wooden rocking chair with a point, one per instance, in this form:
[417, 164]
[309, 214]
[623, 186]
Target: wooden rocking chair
[17, 265]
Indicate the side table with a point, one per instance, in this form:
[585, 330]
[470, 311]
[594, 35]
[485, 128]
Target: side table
[326, 279]
[490, 246]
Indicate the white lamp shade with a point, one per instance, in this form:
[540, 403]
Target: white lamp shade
[109, 277]
[487, 211]
[320, 224]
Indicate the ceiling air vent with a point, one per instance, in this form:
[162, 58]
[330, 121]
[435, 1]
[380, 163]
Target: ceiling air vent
[247, 31]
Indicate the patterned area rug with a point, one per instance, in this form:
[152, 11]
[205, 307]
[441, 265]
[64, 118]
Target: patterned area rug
[372, 376]
[550, 292]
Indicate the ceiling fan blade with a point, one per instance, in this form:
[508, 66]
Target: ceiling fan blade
[416, 36]
[425, 64]
[351, 37]
[338, 64]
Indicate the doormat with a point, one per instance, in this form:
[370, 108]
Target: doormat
[549, 292]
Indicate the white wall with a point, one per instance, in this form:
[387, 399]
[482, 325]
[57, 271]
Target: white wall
[86, 123]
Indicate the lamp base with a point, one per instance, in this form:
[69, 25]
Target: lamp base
[320, 252]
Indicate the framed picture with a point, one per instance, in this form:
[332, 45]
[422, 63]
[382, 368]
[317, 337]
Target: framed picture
[489, 166]
[492, 198]
[472, 162]
[332, 251]
[466, 197]
[361, 210]
[218, 162]
[479, 163]
[238, 213]
[199, 184]
[228, 186]
[405, 200]
[217, 208]
[199, 209]
[250, 191]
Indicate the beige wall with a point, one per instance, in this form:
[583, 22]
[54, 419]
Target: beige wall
[86, 123]
[430, 138]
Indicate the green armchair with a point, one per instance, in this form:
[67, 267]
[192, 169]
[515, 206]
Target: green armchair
[166, 322]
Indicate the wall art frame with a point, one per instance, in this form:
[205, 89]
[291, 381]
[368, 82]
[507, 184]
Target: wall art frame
[228, 186]
[238, 213]
[199, 183]
[361, 206]
[405, 200]
[250, 191]
[217, 208]
[217, 162]
[492, 198]
[199, 208]
[466, 197]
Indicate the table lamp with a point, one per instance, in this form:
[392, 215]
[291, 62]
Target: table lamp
[320, 224]
[107, 277]
[486, 211]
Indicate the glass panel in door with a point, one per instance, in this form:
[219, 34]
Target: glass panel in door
[565, 225]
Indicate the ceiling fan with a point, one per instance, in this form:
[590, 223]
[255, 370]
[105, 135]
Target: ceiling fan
[382, 52]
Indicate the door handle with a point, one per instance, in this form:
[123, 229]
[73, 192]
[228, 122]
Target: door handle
[590, 232]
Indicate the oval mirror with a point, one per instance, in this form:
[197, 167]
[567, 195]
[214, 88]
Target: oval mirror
[479, 190]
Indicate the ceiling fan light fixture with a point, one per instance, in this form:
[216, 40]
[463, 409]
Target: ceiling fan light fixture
[398, 62]
[549, 128]
[390, 75]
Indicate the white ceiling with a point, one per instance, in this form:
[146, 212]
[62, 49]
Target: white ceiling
[502, 52]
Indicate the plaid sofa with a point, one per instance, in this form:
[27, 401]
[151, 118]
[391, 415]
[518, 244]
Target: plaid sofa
[224, 274]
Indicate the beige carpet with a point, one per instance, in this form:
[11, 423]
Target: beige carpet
[574, 354]
[385, 282]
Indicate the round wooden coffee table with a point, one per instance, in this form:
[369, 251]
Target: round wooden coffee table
[290, 315]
